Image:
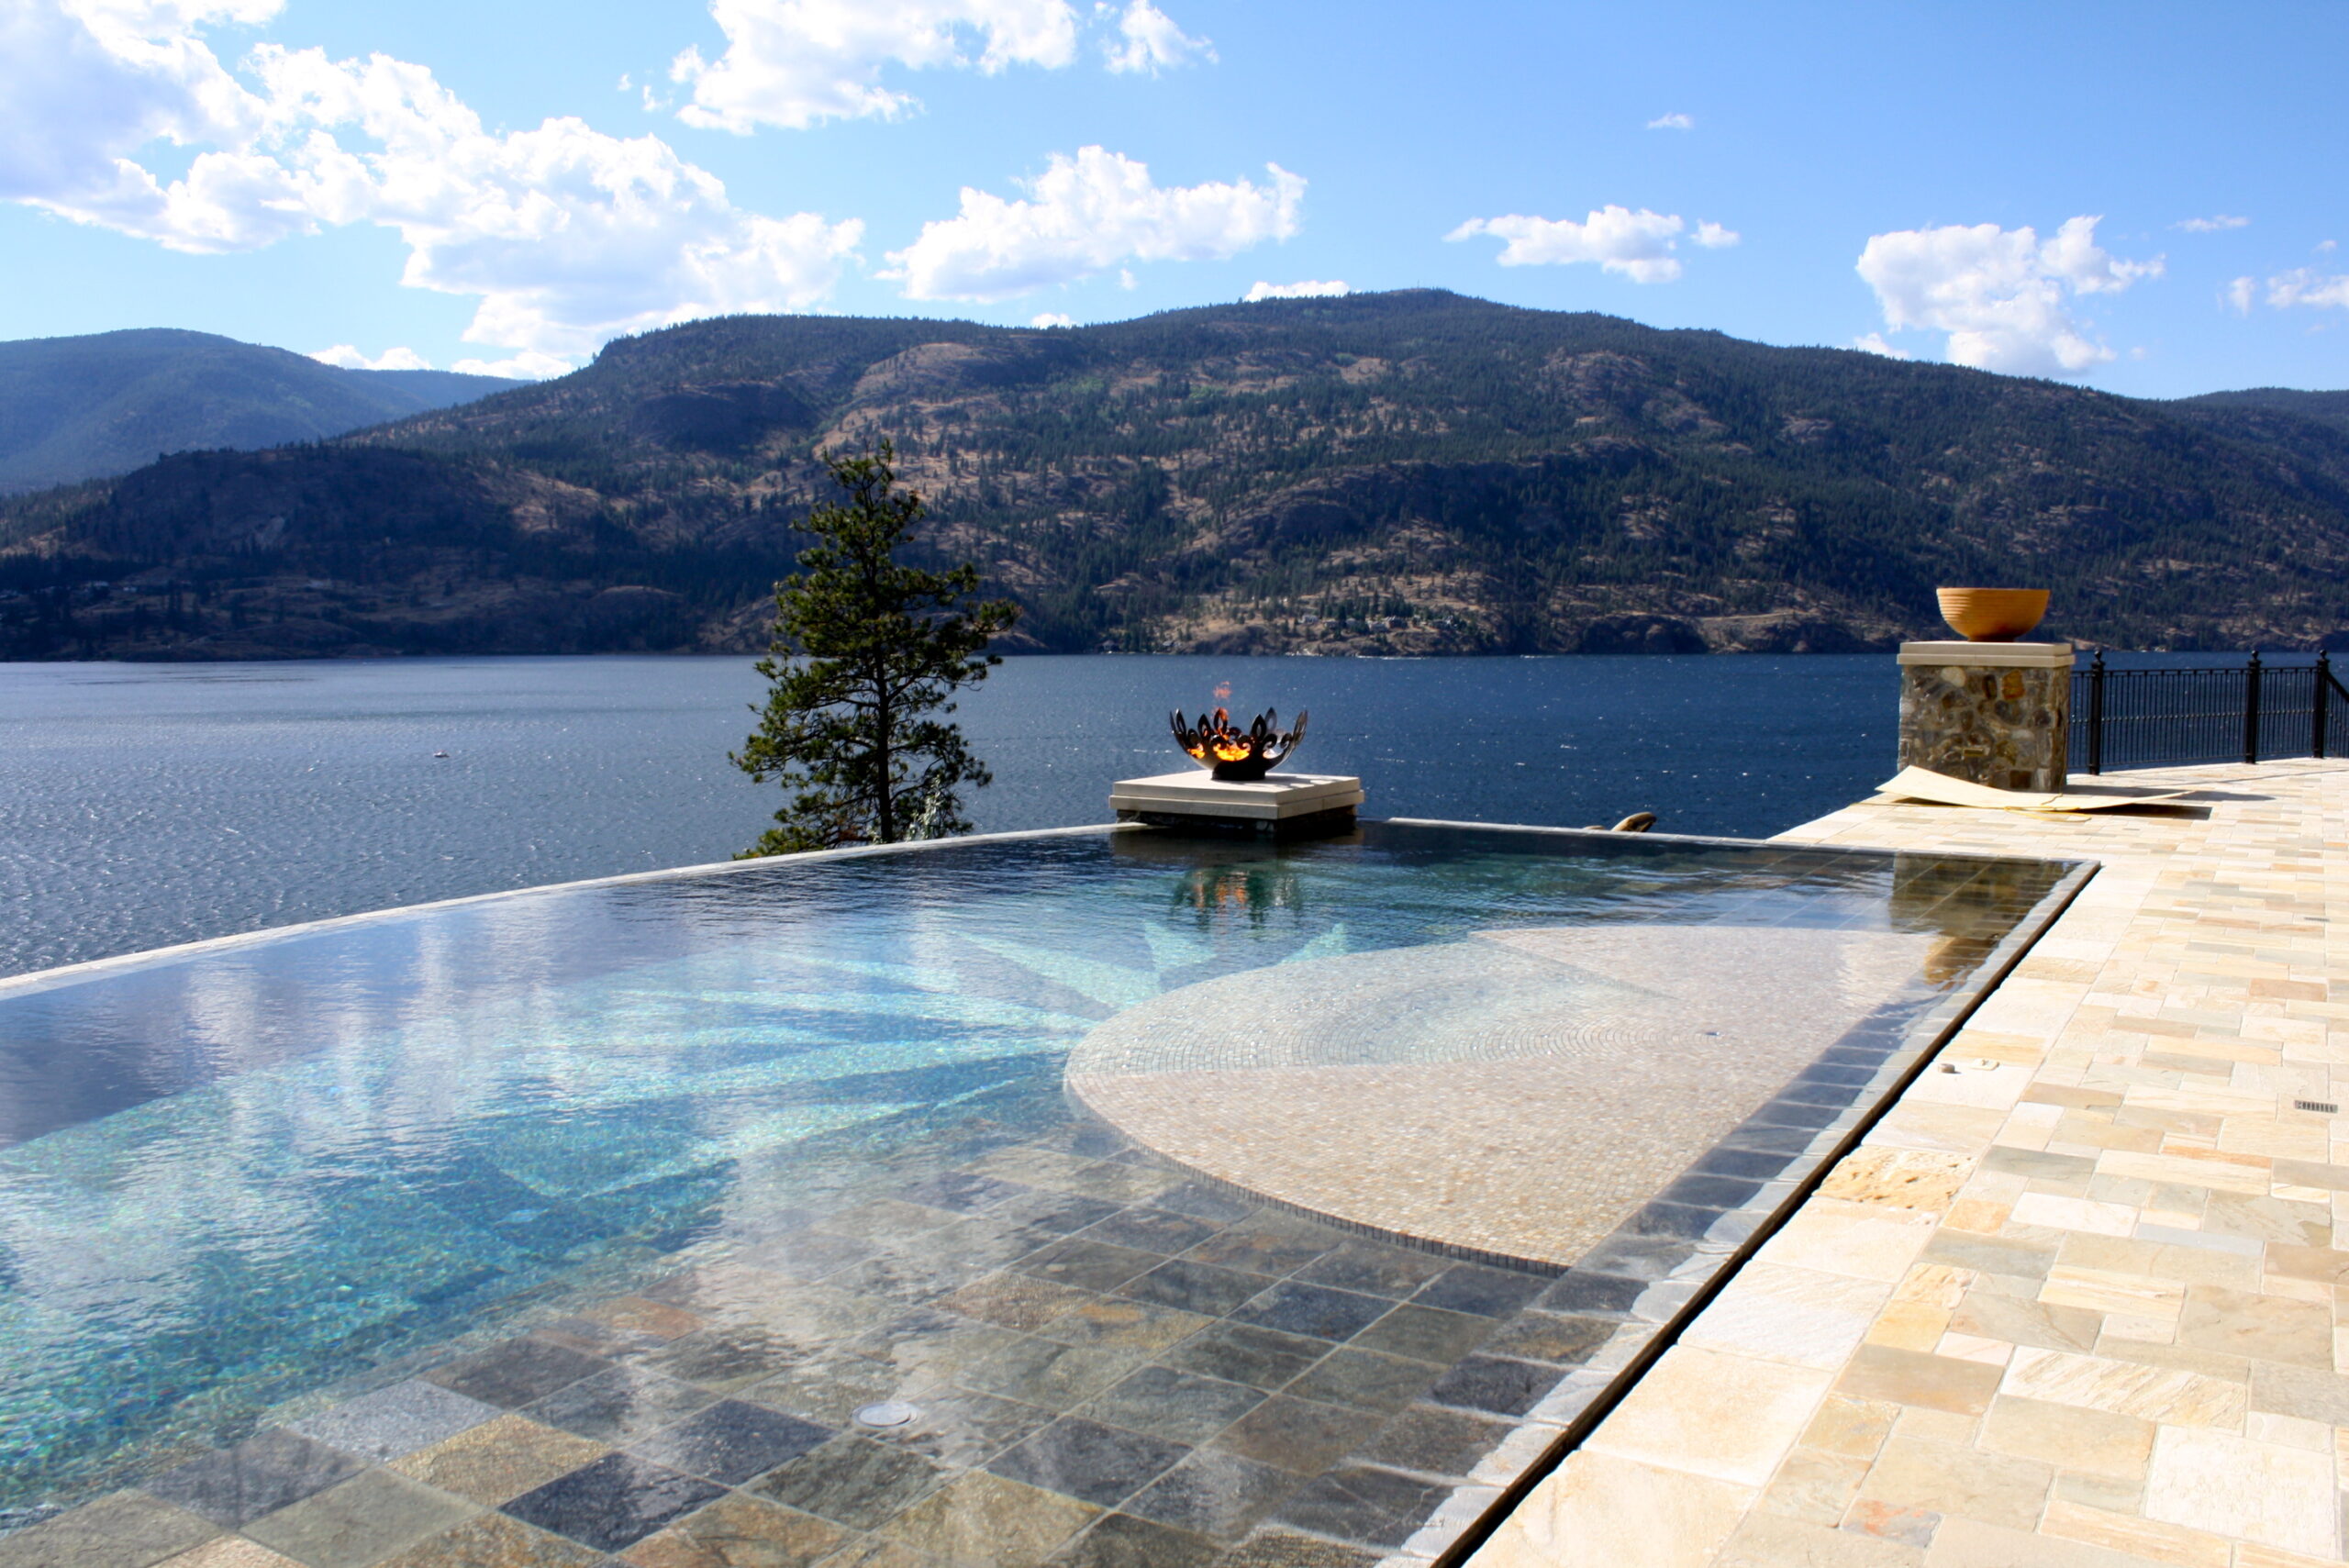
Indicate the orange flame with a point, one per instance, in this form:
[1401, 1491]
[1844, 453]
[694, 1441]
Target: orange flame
[1227, 744]
[1216, 743]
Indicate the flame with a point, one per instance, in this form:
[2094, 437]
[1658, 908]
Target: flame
[1229, 745]
[1218, 743]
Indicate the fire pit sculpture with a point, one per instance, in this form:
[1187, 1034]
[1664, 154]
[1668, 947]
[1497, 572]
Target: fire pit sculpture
[1273, 805]
[1237, 755]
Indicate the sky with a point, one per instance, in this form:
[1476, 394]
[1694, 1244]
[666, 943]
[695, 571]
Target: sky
[2144, 197]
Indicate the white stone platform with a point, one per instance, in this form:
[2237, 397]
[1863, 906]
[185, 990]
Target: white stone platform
[1276, 803]
[1989, 655]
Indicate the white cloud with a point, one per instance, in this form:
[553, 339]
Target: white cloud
[1052, 318]
[2212, 224]
[568, 237]
[342, 356]
[2302, 285]
[1672, 122]
[797, 62]
[2000, 294]
[1639, 245]
[527, 365]
[1085, 215]
[1309, 289]
[1874, 343]
[85, 84]
[564, 236]
[89, 80]
[2238, 294]
[1149, 40]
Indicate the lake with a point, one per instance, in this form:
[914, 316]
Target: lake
[144, 804]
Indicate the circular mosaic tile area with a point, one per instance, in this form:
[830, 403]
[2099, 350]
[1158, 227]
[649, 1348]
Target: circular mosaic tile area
[1517, 1094]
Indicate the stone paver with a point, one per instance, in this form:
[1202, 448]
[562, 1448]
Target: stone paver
[2078, 1300]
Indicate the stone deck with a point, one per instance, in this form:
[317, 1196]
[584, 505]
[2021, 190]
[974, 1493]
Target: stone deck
[2078, 1300]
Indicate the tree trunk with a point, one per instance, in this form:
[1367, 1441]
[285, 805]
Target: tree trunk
[885, 816]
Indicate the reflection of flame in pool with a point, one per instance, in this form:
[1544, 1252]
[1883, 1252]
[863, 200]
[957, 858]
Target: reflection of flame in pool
[1255, 891]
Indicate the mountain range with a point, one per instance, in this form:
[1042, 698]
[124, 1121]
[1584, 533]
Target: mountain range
[1394, 474]
[89, 407]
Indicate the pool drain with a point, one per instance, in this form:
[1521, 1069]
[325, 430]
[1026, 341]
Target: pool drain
[888, 1413]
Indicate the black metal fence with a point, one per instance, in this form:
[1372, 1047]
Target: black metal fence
[2151, 719]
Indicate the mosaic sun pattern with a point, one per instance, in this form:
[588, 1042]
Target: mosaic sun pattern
[586, 1222]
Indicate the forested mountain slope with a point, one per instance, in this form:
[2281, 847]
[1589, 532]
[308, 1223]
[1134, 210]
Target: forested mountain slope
[1402, 472]
[77, 408]
[2327, 408]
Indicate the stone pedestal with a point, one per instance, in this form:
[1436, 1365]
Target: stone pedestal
[1278, 805]
[1993, 713]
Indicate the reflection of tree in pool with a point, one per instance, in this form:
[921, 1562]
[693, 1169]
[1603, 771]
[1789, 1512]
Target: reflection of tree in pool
[1255, 889]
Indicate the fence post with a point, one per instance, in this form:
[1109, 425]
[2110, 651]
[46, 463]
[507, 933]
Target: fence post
[2095, 714]
[2319, 716]
[2251, 708]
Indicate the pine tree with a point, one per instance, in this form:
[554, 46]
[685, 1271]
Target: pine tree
[864, 649]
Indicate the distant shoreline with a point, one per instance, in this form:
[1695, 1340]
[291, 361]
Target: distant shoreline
[393, 656]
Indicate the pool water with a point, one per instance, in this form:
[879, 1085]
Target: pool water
[589, 1216]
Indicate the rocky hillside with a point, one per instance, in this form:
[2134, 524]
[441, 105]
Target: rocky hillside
[1412, 473]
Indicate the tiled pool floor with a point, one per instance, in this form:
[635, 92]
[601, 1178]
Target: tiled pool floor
[1096, 1347]
[690, 1229]
[1110, 1364]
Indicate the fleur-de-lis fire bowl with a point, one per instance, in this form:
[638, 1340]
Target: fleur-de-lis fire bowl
[1233, 754]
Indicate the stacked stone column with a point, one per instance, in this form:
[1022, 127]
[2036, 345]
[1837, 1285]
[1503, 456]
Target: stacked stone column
[1992, 713]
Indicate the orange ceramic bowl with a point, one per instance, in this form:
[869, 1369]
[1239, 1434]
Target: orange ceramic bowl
[1992, 614]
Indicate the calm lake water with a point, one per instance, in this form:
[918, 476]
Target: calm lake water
[147, 804]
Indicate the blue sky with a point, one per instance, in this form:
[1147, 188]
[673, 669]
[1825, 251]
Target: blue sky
[2141, 197]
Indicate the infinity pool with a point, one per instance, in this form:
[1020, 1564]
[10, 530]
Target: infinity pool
[1092, 1168]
